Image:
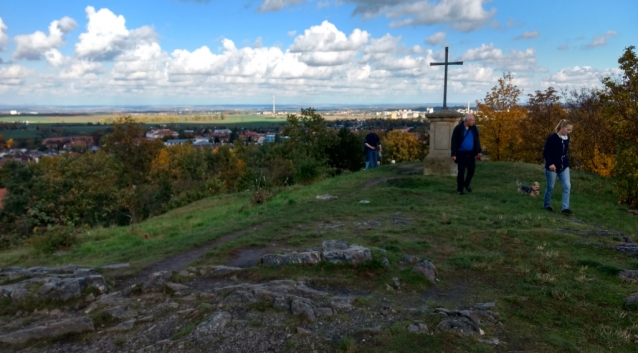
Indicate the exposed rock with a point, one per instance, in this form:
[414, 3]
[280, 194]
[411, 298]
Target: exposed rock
[629, 275]
[632, 299]
[396, 283]
[302, 307]
[375, 330]
[184, 273]
[334, 252]
[365, 202]
[176, 286]
[55, 329]
[115, 266]
[341, 303]
[89, 298]
[326, 197]
[125, 326]
[309, 257]
[458, 325]
[120, 313]
[493, 341]
[215, 323]
[418, 327]
[427, 269]
[409, 259]
[224, 270]
[323, 312]
[303, 331]
[155, 281]
[385, 262]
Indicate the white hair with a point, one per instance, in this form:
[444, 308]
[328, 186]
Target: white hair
[467, 117]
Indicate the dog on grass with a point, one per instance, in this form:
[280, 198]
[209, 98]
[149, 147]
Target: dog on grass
[532, 191]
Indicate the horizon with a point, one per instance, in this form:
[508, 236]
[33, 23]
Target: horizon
[306, 52]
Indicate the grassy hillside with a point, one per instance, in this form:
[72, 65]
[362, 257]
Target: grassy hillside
[556, 287]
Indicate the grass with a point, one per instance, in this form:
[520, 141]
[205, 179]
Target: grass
[556, 289]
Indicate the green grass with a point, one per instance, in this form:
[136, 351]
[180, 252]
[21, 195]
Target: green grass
[556, 291]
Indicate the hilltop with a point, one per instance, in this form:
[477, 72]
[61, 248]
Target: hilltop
[526, 278]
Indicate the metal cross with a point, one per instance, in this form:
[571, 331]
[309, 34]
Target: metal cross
[446, 63]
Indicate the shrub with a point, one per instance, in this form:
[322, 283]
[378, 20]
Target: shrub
[53, 239]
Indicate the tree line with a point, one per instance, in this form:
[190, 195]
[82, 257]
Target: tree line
[605, 137]
[131, 178]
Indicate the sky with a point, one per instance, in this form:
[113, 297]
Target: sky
[122, 52]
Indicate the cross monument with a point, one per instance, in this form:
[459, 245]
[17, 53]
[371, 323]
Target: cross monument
[442, 123]
[446, 64]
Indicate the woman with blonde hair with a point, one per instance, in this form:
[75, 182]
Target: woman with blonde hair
[557, 164]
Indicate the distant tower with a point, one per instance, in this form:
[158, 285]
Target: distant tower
[468, 108]
[274, 110]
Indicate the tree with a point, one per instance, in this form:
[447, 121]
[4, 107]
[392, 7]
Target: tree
[347, 153]
[620, 97]
[593, 145]
[402, 147]
[499, 116]
[543, 113]
[10, 143]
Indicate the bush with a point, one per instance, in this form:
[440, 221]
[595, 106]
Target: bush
[54, 239]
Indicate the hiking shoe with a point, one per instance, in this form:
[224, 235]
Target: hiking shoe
[468, 188]
[460, 192]
[567, 212]
[549, 209]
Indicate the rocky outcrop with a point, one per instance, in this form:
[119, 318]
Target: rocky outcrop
[466, 323]
[58, 283]
[332, 251]
[49, 330]
[427, 269]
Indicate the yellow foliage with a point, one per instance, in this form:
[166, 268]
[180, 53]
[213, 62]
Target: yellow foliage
[499, 118]
[402, 147]
[10, 143]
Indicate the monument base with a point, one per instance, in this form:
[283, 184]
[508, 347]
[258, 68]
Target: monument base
[439, 166]
[439, 160]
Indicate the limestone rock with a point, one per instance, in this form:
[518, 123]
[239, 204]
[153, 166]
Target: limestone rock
[155, 281]
[385, 262]
[323, 312]
[332, 245]
[409, 259]
[55, 329]
[309, 257]
[340, 303]
[215, 323]
[176, 286]
[629, 275]
[458, 325]
[303, 308]
[354, 255]
[418, 327]
[125, 326]
[427, 269]
[303, 331]
[632, 299]
[115, 266]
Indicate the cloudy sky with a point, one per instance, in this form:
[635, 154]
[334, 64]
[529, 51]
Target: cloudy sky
[306, 52]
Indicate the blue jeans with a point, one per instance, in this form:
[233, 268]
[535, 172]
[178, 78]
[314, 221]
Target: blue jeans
[373, 158]
[551, 182]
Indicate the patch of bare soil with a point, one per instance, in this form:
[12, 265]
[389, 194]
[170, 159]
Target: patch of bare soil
[181, 260]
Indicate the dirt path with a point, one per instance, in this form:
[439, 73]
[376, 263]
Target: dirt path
[374, 182]
[181, 260]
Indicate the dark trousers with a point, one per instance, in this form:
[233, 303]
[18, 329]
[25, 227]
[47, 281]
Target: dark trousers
[465, 161]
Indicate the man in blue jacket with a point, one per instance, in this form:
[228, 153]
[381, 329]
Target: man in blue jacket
[466, 148]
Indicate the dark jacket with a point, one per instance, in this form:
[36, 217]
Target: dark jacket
[555, 152]
[457, 139]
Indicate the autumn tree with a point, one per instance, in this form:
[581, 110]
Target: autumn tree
[544, 111]
[402, 147]
[498, 117]
[620, 97]
[10, 143]
[593, 145]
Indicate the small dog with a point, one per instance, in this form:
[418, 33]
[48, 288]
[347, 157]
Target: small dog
[532, 191]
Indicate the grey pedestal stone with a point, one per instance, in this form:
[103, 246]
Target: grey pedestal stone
[439, 161]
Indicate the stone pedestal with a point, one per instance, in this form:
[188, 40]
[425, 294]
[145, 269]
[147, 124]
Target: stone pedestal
[439, 160]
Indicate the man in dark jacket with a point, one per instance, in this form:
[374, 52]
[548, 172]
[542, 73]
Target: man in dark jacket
[466, 148]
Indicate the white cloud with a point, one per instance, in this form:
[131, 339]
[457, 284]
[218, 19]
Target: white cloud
[563, 47]
[528, 35]
[106, 36]
[34, 46]
[258, 43]
[601, 40]
[514, 61]
[323, 4]
[14, 75]
[292, 33]
[4, 38]
[461, 15]
[327, 38]
[579, 76]
[276, 5]
[436, 38]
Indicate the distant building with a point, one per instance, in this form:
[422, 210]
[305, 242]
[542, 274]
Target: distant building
[222, 131]
[161, 134]
[270, 138]
[14, 112]
[176, 142]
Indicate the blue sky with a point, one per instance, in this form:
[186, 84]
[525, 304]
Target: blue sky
[304, 51]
